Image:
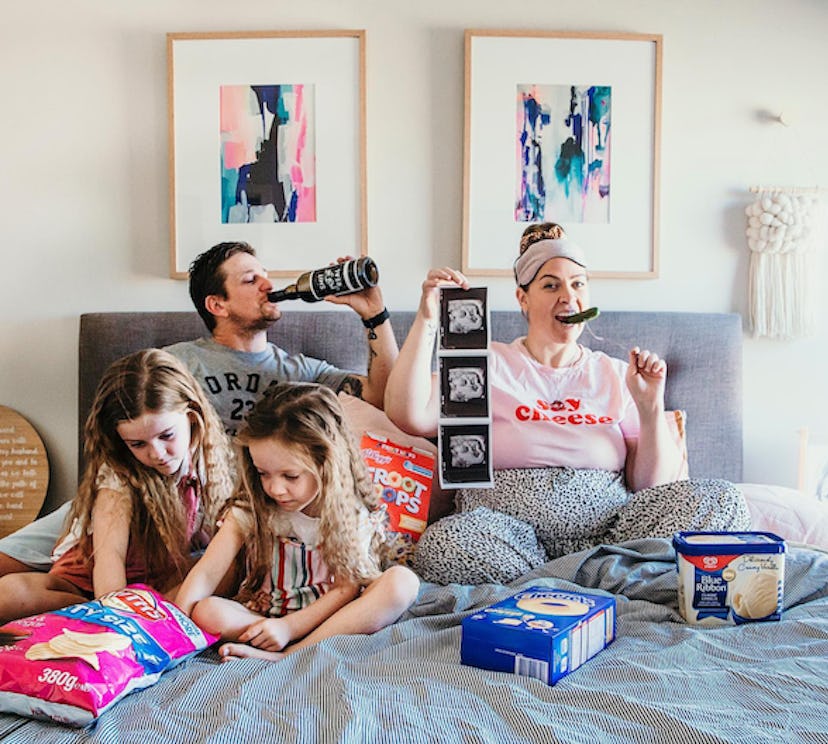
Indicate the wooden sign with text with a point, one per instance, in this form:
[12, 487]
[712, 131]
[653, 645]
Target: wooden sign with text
[24, 472]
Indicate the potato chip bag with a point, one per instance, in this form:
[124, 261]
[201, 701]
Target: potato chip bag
[402, 478]
[70, 665]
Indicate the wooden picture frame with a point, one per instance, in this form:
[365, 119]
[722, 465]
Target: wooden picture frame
[267, 145]
[562, 127]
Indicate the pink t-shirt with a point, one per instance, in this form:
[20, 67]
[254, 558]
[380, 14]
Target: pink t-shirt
[574, 416]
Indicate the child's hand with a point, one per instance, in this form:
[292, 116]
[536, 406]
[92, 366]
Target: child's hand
[268, 634]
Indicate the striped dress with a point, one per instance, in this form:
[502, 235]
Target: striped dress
[298, 576]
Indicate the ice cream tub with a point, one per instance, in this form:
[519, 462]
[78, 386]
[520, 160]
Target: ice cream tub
[730, 578]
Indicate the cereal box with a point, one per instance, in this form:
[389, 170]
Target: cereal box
[402, 478]
[539, 632]
[70, 665]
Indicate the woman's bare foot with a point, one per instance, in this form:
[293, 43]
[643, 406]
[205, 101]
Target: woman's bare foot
[230, 651]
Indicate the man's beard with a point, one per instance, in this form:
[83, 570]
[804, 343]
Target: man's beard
[262, 323]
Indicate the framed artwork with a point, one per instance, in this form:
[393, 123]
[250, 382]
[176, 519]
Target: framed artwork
[562, 127]
[267, 145]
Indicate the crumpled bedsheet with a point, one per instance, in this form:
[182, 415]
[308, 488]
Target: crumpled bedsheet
[660, 681]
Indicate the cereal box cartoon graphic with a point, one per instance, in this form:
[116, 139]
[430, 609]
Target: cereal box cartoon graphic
[402, 478]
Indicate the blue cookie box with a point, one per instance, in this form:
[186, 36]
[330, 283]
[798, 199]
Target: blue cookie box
[512, 636]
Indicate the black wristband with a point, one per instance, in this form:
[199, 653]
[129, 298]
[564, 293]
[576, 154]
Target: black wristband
[377, 320]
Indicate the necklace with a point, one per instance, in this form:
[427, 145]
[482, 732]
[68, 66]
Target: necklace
[575, 361]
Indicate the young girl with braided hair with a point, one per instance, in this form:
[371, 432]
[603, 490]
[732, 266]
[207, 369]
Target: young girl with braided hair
[307, 516]
[157, 463]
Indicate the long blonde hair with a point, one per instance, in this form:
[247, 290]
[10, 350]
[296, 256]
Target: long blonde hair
[153, 381]
[308, 419]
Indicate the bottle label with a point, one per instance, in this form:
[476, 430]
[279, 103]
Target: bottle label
[335, 280]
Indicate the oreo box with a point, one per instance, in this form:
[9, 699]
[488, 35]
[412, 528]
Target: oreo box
[539, 632]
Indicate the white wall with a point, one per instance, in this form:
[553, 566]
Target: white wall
[85, 197]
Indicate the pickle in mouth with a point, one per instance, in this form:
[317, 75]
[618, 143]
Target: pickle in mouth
[581, 317]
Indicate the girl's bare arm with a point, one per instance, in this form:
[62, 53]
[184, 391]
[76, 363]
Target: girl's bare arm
[212, 567]
[111, 517]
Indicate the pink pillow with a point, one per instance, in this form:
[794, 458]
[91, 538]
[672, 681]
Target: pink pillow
[364, 418]
[676, 421]
[788, 513]
[675, 425]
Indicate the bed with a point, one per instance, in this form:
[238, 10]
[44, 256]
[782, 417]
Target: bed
[660, 680]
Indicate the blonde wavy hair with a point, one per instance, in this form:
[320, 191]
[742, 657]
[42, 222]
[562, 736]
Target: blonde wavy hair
[153, 381]
[308, 420]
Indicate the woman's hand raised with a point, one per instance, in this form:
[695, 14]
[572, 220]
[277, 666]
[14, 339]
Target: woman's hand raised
[646, 380]
[436, 278]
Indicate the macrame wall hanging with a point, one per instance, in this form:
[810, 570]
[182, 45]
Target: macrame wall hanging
[781, 231]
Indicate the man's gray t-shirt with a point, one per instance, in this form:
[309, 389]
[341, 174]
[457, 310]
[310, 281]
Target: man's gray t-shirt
[235, 380]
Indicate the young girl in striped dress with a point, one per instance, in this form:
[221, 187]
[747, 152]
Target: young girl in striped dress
[306, 517]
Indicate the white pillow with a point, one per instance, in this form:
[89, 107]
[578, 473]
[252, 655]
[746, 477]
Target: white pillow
[788, 513]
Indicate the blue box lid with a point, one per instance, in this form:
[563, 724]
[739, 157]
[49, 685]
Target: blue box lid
[720, 542]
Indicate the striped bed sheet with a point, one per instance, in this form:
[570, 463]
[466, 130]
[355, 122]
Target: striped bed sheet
[660, 681]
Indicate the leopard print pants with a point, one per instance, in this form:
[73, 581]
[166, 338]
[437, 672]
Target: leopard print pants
[534, 515]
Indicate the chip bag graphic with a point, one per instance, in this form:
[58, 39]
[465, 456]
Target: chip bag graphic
[70, 665]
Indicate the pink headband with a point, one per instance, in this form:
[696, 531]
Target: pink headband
[536, 255]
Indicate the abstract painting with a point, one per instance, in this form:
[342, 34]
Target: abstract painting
[564, 127]
[563, 153]
[267, 145]
[268, 161]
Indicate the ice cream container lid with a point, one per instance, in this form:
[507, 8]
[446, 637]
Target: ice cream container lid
[704, 543]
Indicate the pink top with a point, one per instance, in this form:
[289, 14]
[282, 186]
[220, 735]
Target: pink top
[574, 416]
[69, 563]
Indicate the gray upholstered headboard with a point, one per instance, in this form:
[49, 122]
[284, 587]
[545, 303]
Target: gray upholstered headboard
[703, 353]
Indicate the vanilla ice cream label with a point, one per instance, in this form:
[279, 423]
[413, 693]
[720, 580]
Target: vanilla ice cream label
[730, 577]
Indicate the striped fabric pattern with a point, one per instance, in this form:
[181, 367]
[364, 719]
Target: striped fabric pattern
[660, 681]
[298, 578]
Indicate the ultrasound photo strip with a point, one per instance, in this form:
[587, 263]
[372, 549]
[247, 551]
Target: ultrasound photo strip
[465, 455]
[464, 386]
[465, 432]
[464, 319]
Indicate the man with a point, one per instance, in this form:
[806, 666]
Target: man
[235, 364]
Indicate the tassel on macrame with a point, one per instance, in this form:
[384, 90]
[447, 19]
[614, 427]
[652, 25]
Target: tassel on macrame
[781, 284]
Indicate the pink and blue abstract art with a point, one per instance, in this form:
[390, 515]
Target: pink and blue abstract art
[268, 158]
[563, 153]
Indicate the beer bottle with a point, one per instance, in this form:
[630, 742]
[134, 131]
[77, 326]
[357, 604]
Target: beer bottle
[340, 279]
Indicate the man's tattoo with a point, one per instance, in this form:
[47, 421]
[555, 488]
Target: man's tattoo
[351, 385]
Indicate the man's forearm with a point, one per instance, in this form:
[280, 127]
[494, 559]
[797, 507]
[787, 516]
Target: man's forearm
[382, 353]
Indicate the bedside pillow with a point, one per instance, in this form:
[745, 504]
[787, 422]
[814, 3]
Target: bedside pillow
[363, 418]
[676, 421]
[788, 513]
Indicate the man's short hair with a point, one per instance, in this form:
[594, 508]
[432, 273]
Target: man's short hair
[207, 276]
